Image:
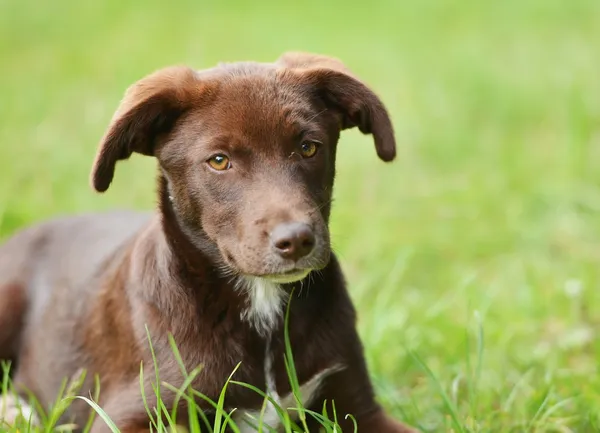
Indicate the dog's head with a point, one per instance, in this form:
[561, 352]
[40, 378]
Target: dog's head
[248, 153]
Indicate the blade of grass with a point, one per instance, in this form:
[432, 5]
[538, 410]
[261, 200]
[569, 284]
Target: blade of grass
[447, 402]
[335, 420]
[191, 400]
[479, 365]
[71, 388]
[155, 363]
[283, 416]
[540, 410]
[221, 401]
[109, 422]
[354, 423]
[153, 422]
[322, 419]
[193, 416]
[96, 397]
[290, 365]
[555, 407]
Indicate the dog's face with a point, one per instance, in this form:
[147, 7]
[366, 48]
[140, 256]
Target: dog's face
[256, 174]
[248, 153]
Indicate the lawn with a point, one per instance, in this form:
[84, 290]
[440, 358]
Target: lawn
[473, 259]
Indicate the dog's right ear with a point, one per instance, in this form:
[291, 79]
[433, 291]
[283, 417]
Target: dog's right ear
[304, 60]
[147, 112]
[342, 91]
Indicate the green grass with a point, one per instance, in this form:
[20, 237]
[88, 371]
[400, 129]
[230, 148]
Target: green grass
[473, 259]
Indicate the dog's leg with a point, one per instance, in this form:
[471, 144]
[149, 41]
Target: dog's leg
[13, 305]
[375, 421]
[369, 416]
[380, 422]
[12, 408]
[127, 410]
[352, 393]
[133, 427]
[126, 423]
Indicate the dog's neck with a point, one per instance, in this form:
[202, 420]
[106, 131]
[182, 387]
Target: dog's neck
[259, 302]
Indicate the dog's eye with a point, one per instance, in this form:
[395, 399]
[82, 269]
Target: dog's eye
[219, 162]
[308, 149]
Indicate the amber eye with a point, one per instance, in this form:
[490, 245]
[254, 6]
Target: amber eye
[219, 162]
[308, 149]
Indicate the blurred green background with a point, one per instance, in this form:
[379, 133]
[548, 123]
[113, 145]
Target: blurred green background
[473, 259]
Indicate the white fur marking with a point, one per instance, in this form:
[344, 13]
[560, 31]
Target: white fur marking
[270, 417]
[270, 373]
[12, 408]
[245, 420]
[265, 303]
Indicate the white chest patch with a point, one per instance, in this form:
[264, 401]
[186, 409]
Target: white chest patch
[265, 303]
[247, 420]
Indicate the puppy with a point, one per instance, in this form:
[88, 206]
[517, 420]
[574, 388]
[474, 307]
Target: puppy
[246, 163]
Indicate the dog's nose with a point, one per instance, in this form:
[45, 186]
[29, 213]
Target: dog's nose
[293, 240]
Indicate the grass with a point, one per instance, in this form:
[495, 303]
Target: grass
[473, 259]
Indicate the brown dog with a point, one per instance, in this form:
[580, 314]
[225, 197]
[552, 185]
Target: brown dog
[246, 153]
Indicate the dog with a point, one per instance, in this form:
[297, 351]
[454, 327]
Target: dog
[246, 162]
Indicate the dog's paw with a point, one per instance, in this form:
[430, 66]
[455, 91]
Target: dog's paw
[14, 409]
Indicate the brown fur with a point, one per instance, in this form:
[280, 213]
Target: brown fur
[78, 292]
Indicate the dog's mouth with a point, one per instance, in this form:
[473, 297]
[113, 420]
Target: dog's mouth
[287, 277]
[276, 273]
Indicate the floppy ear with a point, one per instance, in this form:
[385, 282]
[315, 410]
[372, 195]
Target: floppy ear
[148, 110]
[303, 60]
[341, 90]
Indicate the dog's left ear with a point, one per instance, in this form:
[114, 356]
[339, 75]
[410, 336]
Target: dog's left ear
[147, 112]
[340, 89]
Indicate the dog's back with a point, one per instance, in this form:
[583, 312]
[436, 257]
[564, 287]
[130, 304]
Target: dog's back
[58, 259]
